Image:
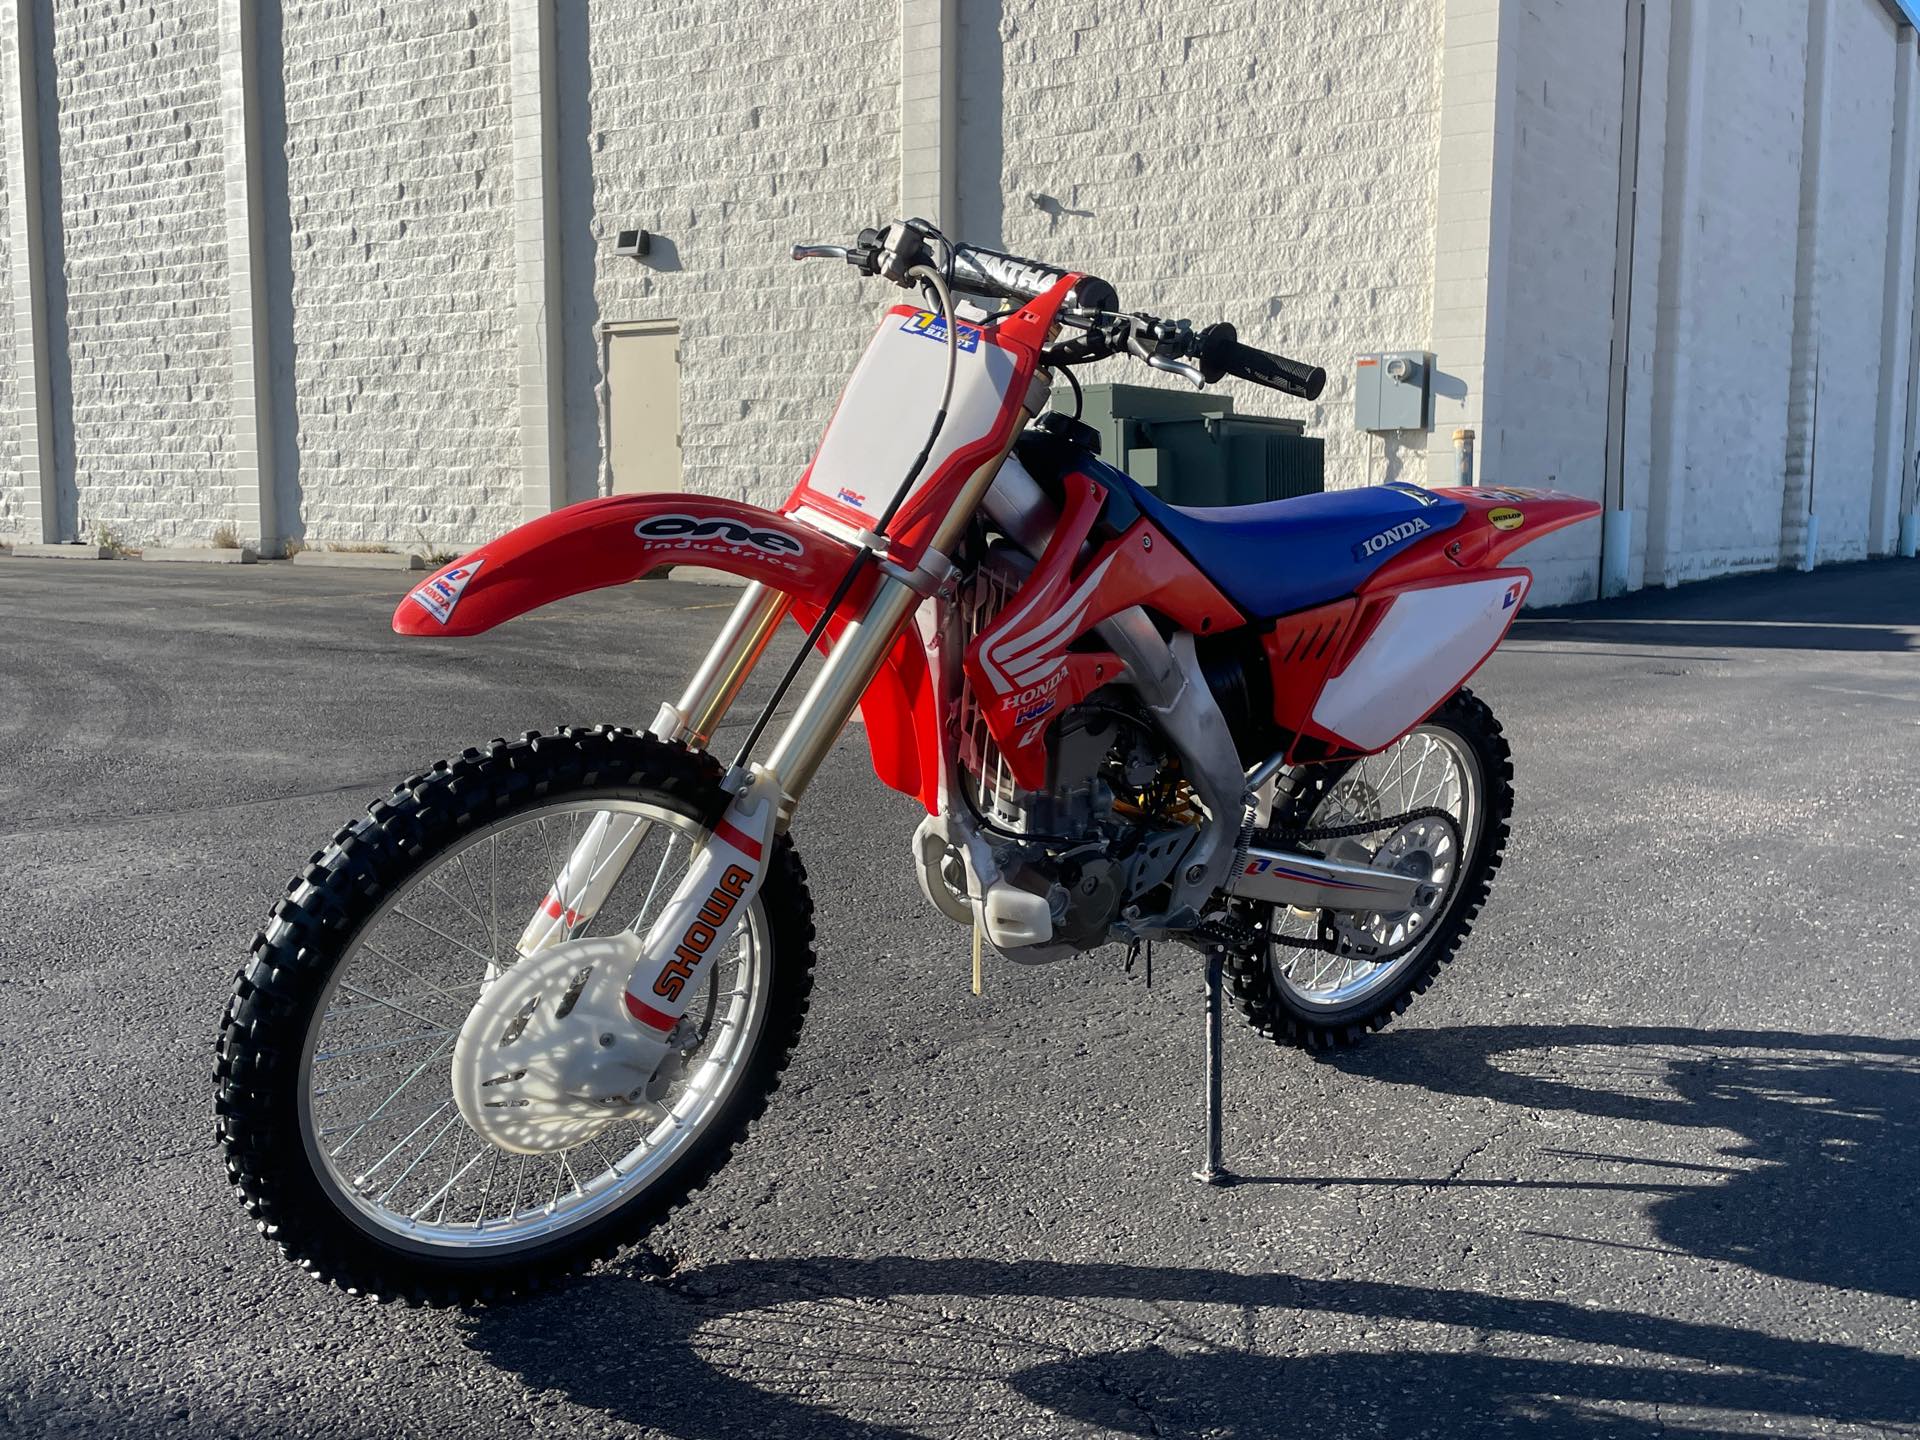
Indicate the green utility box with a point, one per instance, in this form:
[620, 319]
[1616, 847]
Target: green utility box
[1191, 449]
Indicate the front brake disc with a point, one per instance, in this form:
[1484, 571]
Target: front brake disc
[548, 1057]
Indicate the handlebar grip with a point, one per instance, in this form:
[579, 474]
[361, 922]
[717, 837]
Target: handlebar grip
[1221, 353]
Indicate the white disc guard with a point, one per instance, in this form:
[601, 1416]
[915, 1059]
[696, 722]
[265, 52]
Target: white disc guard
[548, 1056]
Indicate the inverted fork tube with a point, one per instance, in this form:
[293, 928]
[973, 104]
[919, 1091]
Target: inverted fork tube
[601, 855]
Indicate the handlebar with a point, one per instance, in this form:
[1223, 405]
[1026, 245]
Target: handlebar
[991, 272]
[1169, 345]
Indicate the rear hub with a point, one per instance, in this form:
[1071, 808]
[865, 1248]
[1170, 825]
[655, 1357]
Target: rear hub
[1426, 850]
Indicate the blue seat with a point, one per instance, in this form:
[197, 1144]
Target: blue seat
[1287, 555]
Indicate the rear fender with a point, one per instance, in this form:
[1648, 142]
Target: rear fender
[1497, 523]
[1353, 676]
[605, 542]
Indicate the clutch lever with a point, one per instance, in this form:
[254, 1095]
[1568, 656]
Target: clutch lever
[1162, 343]
[860, 255]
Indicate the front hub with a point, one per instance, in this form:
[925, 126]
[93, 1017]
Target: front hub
[548, 1057]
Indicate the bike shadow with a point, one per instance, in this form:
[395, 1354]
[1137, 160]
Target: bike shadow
[1820, 1189]
[896, 1346]
[1823, 1176]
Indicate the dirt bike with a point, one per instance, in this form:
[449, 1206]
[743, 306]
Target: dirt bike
[533, 999]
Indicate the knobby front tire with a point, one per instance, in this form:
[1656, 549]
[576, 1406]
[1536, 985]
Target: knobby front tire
[427, 840]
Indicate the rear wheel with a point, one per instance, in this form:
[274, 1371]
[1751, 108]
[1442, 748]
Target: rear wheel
[1324, 978]
[338, 1081]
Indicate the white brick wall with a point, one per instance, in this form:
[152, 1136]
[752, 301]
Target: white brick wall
[1741, 220]
[731, 132]
[929, 112]
[1850, 271]
[1735, 220]
[1332, 177]
[13, 500]
[1271, 165]
[144, 234]
[1896, 324]
[1471, 232]
[400, 170]
[1550, 425]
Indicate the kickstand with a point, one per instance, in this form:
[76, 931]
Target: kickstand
[1212, 1172]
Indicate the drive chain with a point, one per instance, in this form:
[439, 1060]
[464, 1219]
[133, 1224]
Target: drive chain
[1356, 827]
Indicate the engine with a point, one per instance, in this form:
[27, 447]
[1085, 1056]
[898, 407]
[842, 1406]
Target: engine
[1116, 816]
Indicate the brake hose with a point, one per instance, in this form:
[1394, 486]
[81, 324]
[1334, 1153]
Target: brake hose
[938, 284]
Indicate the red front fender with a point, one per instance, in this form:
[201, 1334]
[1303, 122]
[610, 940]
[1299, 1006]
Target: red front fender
[609, 542]
[598, 543]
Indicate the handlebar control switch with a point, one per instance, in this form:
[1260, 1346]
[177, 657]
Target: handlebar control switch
[1393, 390]
[903, 245]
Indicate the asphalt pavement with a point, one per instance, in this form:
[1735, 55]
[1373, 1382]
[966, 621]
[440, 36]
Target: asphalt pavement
[1645, 1161]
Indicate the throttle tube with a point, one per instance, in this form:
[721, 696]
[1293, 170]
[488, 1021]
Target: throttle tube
[1221, 353]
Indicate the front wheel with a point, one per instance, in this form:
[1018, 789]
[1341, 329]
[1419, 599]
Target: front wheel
[338, 1089]
[1323, 978]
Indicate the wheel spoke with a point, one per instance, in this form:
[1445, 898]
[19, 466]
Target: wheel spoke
[379, 1109]
[447, 1189]
[1424, 770]
[493, 893]
[459, 904]
[398, 1145]
[434, 1105]
[654, 888]
[398, 1009]
[414, 1164]
[378, 1045]
[486, 1190]
[489, 922]
[484, 958]
[416, 968]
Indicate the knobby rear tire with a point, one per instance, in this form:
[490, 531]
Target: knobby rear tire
[264, 1029]
[1267, 1003]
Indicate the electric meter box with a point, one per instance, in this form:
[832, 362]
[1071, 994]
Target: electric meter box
[1393, 390]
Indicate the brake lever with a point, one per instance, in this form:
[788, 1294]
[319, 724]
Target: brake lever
[1184, 369]
[822, 252]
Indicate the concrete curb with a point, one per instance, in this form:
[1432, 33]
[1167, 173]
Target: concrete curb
[200, 555]
[360, 560]
[33, 551]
